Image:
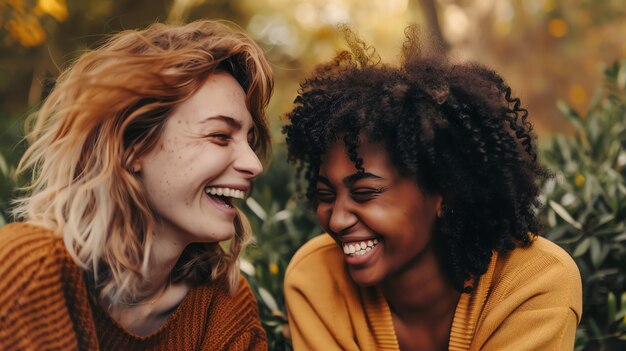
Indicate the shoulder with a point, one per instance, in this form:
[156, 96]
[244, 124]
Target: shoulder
[23, 245]
[29, 255]
[545, 269]
[541, 256]
[317, 256]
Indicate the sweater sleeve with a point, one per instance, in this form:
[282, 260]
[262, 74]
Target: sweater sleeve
[33, 314]
[535, 306]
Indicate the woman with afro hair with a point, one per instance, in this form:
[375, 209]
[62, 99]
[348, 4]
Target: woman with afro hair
[426, 180]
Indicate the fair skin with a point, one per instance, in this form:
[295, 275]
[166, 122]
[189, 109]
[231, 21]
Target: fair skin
[200, 163]
[383, 223]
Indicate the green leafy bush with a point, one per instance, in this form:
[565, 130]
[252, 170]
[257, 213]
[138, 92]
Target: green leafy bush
[8, 184]
[281, 225]
[10, 152]
[585, 209]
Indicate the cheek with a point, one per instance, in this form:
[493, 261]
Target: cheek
[385, 214]
[323, 213]
[402, 220]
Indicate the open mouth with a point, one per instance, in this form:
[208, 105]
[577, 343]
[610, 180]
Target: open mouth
[359, 248]
[224, 196]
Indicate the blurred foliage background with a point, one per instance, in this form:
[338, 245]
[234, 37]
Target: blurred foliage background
[564, 58]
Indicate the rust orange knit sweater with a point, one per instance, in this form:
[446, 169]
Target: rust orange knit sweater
[44, 305]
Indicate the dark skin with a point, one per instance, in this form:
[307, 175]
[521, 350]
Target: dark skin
[381, 204]
[423, 318]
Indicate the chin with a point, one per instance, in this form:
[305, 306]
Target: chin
[364, 279]
[218, 237]
[214, 235]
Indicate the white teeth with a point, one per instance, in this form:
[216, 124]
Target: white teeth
[359, 248]
[228, 192]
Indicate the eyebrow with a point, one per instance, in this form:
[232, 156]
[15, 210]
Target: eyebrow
[351, 179]
[226, 119]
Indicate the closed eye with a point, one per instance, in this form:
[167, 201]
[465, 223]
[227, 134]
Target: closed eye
[363, 195]
[252, 140]
[221, 139]
[324, 195]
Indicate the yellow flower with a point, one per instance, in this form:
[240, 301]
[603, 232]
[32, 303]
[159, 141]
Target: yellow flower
[557, 27]
[27, 30]
[579, 180]
[274, 268]
[54, 8]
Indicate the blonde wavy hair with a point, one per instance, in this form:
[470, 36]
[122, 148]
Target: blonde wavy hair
[107, 110]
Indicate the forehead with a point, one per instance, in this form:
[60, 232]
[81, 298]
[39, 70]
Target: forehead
[374, 155]
[219, 95]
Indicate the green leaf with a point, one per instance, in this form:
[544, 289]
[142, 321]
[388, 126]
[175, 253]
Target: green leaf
[571, 115]
[582, 247]
[595, 329]
[621, 78]
[564, 148]
[598, 252]
[620, 237]
[611, 306]
[4, 167]
[562, 212]
[268, 299]
[604, 219]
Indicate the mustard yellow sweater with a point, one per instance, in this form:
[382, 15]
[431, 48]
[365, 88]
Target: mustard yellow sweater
[45, 305]
[534, 302]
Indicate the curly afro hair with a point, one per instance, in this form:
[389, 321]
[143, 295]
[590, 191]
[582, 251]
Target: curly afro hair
[455, 128]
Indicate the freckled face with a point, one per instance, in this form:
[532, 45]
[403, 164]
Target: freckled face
[204, 147]
[381, 221]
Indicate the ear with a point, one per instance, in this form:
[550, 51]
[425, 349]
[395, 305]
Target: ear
[136, 168]
[136, 160]
[439, 206]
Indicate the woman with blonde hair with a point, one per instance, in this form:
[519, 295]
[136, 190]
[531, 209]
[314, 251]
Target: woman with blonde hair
[136, 157]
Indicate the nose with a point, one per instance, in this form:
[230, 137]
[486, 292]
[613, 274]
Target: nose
[247, 162]
[342, 218]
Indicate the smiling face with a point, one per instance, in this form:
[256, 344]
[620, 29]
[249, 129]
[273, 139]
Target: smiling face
[200, 162]
[381, 221]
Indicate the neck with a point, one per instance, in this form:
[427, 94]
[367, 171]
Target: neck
[431, 299]
[165, 252]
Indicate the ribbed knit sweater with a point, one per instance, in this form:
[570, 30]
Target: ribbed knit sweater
[529, 299]
[44, 305]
